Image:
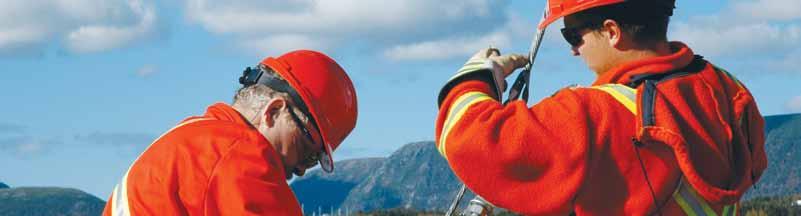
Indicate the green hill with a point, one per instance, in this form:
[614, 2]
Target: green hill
[783, 147]
[48, 201]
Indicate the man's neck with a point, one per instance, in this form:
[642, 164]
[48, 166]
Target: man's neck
[249, 114]
[632, 55]
[656, 50]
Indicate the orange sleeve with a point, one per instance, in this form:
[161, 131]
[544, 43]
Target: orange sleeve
[249, 180]
[528, 160]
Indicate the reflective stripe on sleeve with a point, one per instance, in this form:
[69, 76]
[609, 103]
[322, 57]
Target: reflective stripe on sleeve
[689, 201]
[730, 210]
[455, 113]
[693, 205]
[624, 94]
[119, 197]
[470, 66]
[119, 200]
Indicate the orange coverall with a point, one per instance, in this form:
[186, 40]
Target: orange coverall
[573, 151]
[215, 164]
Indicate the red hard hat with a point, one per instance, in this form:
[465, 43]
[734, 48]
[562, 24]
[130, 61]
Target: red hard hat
[560, 8]
[326, 90]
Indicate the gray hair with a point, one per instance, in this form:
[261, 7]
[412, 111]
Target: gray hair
[255, 97]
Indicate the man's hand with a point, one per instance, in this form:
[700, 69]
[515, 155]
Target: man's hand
[504, 65]
[500, 65]
[488, 64]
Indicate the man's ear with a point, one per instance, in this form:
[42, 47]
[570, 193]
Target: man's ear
[270, 113]
[613, 32]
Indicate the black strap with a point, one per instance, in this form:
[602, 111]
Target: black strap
[648, 102]
[652, 80]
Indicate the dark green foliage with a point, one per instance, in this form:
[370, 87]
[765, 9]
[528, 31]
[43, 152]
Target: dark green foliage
[783, 147]
[398, 212]
[46, 201]
[410, 212]
[782, 205]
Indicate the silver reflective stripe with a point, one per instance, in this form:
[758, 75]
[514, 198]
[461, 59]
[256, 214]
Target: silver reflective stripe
[690, 200]
[625, 91]
[119, 201]
[623, 94]
[455, 114]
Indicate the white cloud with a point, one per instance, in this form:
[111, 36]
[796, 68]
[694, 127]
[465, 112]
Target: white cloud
[279, 43]
[739, 39]
[794, 105]
[770, 10]
[83, 26]
[95, 38]
[460, 46]
[744, 28]
[146, 70]
[447, 48]
[279, 26]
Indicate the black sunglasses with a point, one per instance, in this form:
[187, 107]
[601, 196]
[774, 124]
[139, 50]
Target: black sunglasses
[572, 34]
[312, 159]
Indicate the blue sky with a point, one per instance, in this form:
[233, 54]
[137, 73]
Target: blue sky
[88, 84]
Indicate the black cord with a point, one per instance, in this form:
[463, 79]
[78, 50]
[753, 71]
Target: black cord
[637, 145]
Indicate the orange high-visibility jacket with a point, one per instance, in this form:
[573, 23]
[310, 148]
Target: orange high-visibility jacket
[573, 151]
[215, 164]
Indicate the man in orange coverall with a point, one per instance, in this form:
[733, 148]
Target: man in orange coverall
[291, 113]
[660, 132]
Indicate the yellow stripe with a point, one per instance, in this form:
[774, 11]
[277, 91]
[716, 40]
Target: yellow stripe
[455, 112]
[467, 69]
[726, 210]
[707, 209]
[683, 204]
[619, 93]
[693, 205]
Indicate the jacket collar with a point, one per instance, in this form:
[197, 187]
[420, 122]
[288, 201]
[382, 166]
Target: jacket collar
[224, 112]
[680, 58]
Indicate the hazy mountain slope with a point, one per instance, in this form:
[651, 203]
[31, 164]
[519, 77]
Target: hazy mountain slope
[783, 147]
[318, 189]
[48, 201]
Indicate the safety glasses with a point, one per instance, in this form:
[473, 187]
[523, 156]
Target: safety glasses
[318, 155]
[573, 35]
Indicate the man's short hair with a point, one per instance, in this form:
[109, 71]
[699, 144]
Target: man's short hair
[256, 96]
[645, 21]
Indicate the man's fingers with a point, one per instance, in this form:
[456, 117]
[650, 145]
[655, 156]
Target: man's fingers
[508, 63]
[518, 60]
[493, 52]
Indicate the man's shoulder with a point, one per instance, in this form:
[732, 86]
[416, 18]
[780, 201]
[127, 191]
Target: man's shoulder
[207, 133]
[593, 100]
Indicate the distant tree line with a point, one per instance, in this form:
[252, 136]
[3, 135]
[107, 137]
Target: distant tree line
[763, 206]
[782, 205]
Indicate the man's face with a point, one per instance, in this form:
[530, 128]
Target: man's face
[593, 47]
[309, 139]
[298, 143]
